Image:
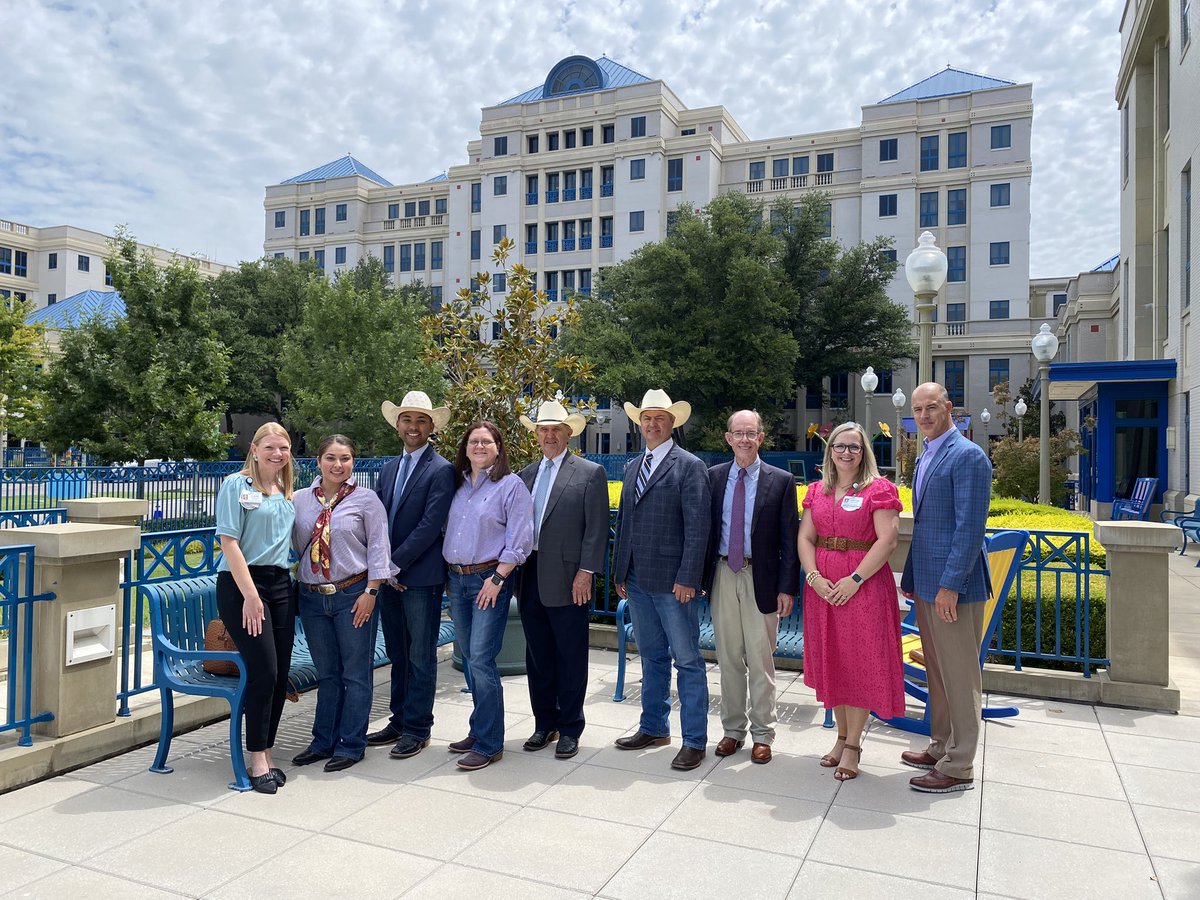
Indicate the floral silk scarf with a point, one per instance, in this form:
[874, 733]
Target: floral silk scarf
[321, 555]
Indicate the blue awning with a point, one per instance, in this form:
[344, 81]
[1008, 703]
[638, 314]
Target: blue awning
[1070, 381]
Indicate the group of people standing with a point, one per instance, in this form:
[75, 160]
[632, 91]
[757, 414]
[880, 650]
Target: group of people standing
[481, 533]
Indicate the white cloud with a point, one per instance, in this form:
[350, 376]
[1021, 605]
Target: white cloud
[173, 117]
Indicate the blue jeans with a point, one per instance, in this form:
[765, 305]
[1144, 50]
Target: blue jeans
[668, 630]
[343, 656]
[411, 620]
[480, 635]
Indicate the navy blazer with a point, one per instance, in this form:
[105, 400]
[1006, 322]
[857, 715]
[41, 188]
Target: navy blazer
[949, 522]
[663, 537]
[774, 523]
[417, 525]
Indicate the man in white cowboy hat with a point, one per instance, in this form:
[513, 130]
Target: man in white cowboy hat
[416, 489]
[662, 538]
[570, 538]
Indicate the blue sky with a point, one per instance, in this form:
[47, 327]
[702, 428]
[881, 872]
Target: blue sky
[172, 117]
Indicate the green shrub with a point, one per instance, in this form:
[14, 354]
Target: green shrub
[1097, 644]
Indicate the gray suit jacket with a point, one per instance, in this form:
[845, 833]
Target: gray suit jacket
[663, 537]
[574, 532]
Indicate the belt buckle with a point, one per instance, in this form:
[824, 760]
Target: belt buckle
[326, 588]
[839, 543]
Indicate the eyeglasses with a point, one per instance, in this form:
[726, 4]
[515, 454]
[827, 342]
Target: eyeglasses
[744, 435]
[484, 443]
[846, 448]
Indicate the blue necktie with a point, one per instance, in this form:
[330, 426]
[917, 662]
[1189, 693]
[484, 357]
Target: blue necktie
[643, 477]
[539, 499]
[398, 490]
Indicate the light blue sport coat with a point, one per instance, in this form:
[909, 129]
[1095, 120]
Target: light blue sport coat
[949, 518]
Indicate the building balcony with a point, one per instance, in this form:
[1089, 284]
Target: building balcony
[605, 240]
[568, 195]
[531, 247]
[389, 225]
[824, 179]
[606, 190]
[586, 291]
[785, 183]
[585, 193]
[551, 246]
[552, 294]
[414, 222]
[551, 196]
[568, 245]
[531, 198]
[585, 243]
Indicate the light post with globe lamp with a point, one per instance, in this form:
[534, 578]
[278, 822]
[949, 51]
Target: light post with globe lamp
[898, 401]
[925, 269]
[985, 417]
[869, 382]
[1020, 409]
[1045, 345]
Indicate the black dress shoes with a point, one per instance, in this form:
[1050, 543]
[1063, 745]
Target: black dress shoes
[279, 776]
[407, 746]
[539, 740]
[308, 757]
[641, 740]
[338, 763]
[264, 783]
[385, 735]
[566, 747]
[687, 758]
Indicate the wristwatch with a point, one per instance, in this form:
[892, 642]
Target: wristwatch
[856, 578]
[497, 579]
[372, 591]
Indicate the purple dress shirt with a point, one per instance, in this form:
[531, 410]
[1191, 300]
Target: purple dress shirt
[489, 520]
[358, 537]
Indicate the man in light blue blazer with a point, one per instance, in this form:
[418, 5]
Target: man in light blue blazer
[946, 576]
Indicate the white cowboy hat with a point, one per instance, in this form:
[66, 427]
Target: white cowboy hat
[416, 402]
[658, 399]
[551, 412]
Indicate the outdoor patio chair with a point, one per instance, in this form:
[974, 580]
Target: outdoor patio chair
[1187, 521]
[1137, 507]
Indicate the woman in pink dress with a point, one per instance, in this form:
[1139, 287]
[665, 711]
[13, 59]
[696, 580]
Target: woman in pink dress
[851, 614]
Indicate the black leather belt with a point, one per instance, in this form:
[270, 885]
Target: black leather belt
[335, 586]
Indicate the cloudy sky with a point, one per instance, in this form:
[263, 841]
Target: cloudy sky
[171, 117]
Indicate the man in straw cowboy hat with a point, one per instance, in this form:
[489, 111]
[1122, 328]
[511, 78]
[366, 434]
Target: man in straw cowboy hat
[570, 538]
[662, 537]
[416, 490]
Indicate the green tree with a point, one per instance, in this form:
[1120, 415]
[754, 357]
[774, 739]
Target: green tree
[1017, 463]
[150, 384]
[705, 314]
[358, 343]
[1031, 422]
[252, 308]
[22, 351]
[498, 380]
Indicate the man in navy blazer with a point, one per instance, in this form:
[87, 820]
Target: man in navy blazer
[658, 564]
[946, 576]
[416, 489]
[751, 579]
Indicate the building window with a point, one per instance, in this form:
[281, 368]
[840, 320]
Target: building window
[608, 133]
[799, 165]
[52, 261]
[419, 257]
[956, 207]
[956, 380]
[999, 253]
[839, 394]
[319, 221]
[21, 263]
[686, 132]
[339, 212]
[997, 372]
[497, 331]
[956, 150]
[422, 207]
[552, 140]
[476, 196]
[278, 255]
[84, 264]
[637, 169]
[824, 162]
[1060, 300]
[587, 136]
[956, 264]
[107, 277]
[339, 256]
[439, 206]
[435, 255]
[531, 143]
[475, 242]
[929, 153]
[569, 139]
[406, 257]
[393, 210]
[1001, 137]
[637, 221]
[500, 146]
[51, 299]
[758, 170]
[929, 209]
[675, 174]
[6, 262]
[956, 312]
[998, 309]
[885, 381]
[1001, 194]
[888, 150]
[319, 258]
[887, 205]
[779, 168]
[410, 209]
[888, 254]
[499, 233]
[435, 292]
[304, 256]
[637, 127]
[499, 283]
[304, 219]
[499, 185]
[828, 233]
[1185, 257]
[389, 258]
[585, 281]
[280, 221]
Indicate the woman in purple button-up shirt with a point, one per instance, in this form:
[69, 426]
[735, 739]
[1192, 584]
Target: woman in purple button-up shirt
[341, 539]
[488, 534]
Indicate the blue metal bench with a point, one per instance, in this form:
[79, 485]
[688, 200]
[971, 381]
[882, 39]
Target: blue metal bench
[1188, 523]
[1137, 507]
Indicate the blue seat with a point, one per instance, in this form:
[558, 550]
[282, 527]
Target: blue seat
[1188, 523]
[1137, 507]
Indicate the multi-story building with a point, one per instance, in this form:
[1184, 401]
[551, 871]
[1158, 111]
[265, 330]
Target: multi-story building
[583, 169]
[47, 265]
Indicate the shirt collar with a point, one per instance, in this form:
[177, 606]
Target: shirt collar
[751, 470]
[416, 454]
[931, 446]
[660, 452]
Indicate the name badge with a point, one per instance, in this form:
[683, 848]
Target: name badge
[250, 499]
[850, 503]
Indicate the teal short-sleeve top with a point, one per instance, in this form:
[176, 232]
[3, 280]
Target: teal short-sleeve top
[264, 532]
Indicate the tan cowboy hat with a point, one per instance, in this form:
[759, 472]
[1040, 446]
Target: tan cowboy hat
[658, 399]
[416, 402]
[551, 412]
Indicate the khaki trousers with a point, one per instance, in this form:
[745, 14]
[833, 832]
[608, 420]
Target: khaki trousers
[745, 655]
[955, 685]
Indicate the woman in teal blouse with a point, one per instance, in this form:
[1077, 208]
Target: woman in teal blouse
[254, 596]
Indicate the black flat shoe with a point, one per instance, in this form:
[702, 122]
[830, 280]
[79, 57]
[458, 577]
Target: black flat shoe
[264, 783]
[385, 735]
[279, 776]
[308, 757]
[338, 763]
[539, 740]
[566, 748]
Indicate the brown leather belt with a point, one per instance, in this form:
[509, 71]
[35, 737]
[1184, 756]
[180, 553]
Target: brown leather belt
[475, 568]
[841, 543]
[335, 587]
[745, 560]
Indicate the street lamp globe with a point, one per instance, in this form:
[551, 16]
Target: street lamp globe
[985, 417]
[869, 380]
[1044, 344]
[1021, 408]
[925, 268]
[898, 399]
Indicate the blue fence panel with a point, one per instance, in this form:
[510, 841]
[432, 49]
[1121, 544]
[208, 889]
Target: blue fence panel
[16, 603]
[24, 518]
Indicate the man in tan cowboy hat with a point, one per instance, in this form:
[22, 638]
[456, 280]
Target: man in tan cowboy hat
[416, 489]
[570, 538]
[662, 538]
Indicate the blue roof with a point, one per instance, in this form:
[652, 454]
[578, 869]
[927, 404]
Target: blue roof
[442, 177]
[339, 168]
[946, 82]
[71, 311]
[1109, 265]
[614, 75]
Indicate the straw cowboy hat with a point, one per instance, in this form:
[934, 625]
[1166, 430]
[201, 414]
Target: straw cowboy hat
[416, 402]
[551, 412]
[658, 399]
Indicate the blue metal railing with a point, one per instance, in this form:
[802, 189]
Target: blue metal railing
[24, 518]
[16, 612]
